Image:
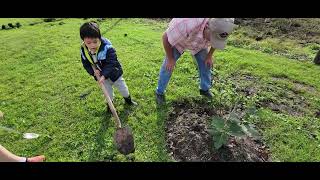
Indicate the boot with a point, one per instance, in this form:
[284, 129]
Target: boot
[207, 93]
[129, 101]
[160, 99]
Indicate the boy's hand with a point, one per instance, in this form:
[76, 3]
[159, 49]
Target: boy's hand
[102, 79]
[97, 72]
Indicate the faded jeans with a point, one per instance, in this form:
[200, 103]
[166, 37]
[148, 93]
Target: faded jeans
[204, 71]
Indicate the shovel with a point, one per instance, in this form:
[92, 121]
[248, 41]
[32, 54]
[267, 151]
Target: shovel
[123, 136]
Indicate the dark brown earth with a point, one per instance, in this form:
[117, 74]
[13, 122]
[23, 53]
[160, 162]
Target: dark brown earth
[188, 138]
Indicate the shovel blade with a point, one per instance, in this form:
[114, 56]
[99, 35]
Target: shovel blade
[124, 140]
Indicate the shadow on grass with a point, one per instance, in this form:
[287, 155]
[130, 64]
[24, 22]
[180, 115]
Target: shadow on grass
[125, 112]
[100, 143]
[162, 114]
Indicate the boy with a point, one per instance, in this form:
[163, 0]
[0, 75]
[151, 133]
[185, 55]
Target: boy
[97, 50]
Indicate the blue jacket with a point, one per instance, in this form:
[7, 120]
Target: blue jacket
[107, 61]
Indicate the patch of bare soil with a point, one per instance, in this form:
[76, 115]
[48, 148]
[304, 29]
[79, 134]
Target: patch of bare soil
[188, 138]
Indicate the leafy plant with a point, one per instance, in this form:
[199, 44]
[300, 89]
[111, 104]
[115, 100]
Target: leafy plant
[222, 129]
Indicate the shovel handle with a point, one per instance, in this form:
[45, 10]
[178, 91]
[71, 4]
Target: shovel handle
[106, 94]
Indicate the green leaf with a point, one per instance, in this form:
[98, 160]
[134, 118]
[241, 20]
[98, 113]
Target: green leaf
[252, 110]
[234, 117]
[216, 134]
[235, 129]
[218, 122]
[250, 130]
[253, 132]
[211, 131]
[220, 139]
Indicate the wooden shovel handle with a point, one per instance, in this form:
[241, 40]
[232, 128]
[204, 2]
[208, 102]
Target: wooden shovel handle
[106, 94]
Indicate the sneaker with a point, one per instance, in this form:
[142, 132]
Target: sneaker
[207, 93]
[160, 98]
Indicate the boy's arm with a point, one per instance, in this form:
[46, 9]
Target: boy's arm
[87, 66]
[110, 63]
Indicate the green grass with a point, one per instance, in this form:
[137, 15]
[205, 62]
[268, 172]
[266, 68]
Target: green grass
[42, 79]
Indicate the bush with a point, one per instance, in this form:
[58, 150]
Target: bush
[18, 25]
[49, 19]
[317, 58]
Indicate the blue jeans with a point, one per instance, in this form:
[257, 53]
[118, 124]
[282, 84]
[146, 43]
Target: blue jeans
[204, 71]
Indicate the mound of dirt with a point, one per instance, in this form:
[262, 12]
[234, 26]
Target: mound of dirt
[289, 101]
[246, 84]
[299, 86]
[304, 30]
[188, 138]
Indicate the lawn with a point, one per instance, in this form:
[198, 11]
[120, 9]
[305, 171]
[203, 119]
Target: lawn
[44, 89]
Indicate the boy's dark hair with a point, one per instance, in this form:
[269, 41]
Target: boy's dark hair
[90, 30]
